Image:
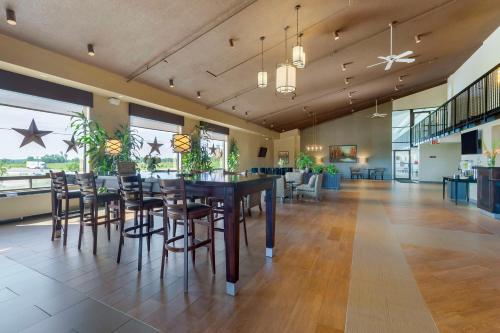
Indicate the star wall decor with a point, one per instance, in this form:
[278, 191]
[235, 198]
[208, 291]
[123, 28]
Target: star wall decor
[72, 145]
[213, 150]
[32, 134]
[155, 146]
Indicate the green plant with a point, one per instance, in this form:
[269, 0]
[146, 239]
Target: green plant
[233, 157]
[198, 159]
[151, 162]
[318, 168]
[331, 169]
[3, 167]
[304, 161]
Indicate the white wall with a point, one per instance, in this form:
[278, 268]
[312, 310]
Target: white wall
[436, 96]
[439, 160]
[485, 58]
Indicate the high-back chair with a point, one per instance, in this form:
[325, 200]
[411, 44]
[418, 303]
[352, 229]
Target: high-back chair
[133, 198]
[60, 194]
[379, 173]
[356, 173]
[92, 199]
[190, 213]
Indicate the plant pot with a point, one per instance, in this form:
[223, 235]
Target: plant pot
[331, 181]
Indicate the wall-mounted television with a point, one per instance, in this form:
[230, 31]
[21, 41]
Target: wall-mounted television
[262, 152]
[471, 142]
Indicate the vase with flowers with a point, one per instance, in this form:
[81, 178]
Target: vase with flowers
[491, 155]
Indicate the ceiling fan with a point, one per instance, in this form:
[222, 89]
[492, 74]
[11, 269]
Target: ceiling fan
[392, 58]
[376, 114]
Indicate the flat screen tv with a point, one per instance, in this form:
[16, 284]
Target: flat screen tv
[262, 152]
[471, 143]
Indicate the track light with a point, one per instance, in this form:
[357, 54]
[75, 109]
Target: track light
[234, 107]
[350, 93]
[396, 87]
[246, 113]
[90, 50]
[171, 83]
[344, 68]
[231, 42]
[350, 101]
[400, 78]
[336, 35]
[347, 80]
[198, 94]
[418, 38]
[11, 16]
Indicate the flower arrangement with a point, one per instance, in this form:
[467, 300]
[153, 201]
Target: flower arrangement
[491, 155]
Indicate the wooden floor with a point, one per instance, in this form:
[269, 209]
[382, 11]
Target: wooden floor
[373, 257]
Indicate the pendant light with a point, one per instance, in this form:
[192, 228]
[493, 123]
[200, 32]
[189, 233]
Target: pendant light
[315, 147]
[298, 54]
[285, 73]
[262, 75]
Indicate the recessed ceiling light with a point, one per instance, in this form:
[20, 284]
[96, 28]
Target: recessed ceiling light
[272, 125]
[171, 83]
[336, 35]
[198, 94]
[418, 38]
[11, 16]
[90, 50]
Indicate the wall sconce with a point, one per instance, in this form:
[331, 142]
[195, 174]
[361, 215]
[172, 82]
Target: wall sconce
[181, 143]
[362, 160]
[113, 147]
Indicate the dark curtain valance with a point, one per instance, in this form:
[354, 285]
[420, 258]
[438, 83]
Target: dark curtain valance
[215, 128]
[36, 87]
[154, 114]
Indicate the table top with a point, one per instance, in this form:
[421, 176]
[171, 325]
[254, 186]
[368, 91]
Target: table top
[460, 180]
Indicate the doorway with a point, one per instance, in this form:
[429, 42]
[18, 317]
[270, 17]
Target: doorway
[402, 164]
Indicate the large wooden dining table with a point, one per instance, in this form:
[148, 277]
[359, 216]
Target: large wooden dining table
[231, 188]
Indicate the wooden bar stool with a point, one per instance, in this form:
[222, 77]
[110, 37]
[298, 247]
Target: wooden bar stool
[217, 205]
[190, 213]
[61, 194]
[92, 199]
[132, 196]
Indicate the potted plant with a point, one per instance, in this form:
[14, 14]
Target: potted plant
[317, 169]
[198, 158]
[151, 163]
[331, 177]
[491, 155]
[304, 161]
[233, 157]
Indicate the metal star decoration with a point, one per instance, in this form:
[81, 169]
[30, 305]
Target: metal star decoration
[32, 134]
[155, 146]
[71, 144]
[212, 150]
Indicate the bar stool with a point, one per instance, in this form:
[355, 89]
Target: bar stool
[132, 196]
[190, 213]
[59, 194]
[217, 205]
[92, 199]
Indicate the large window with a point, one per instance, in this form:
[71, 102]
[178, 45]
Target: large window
[217, 148]
[18, 111]
[157, 142]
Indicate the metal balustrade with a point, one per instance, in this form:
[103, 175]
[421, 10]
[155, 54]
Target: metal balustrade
[476, 104]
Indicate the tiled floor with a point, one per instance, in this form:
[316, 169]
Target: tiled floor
[373, 257]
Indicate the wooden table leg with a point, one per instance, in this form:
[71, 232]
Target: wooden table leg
[232, 239]
[444, 185]
[270, 219]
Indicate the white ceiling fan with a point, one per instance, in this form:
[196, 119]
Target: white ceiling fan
[376, 114]
[392, 58]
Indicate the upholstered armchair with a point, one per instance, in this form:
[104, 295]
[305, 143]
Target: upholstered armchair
[282, 190]
[296, 176]
[312, 189]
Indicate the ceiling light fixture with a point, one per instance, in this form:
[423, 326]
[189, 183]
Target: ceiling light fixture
[11, 16]
[400, 78]
[233, 107]
[298, 54]
[285, 73]
[344, 67]
[418, 38]
[396, 87]
[90, 50]
[314, 147]
[336, 35]
[231, 42]
[262, 75]
[198, 94]
[171, 83]
[350, 93]
[272, 125]
[347, 80]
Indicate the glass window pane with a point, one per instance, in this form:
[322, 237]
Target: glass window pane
[164, 138]
[401, 118]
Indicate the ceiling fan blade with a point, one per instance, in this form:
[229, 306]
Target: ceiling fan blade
[384, 58]
[407, 60]
[389, 65]
[380, 63]
[404, 54]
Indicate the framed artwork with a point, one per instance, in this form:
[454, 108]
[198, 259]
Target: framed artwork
[343, 154]
[284, 157]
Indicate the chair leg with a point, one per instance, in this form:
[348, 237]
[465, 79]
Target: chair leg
[108, 224]
[141, 221]
[54, 213]
[212, 241]
[174, 228]
[95, 215]
[244, 220]
[82, 214]
[148, 228]
[135, 220]
[193, 236]
[66, 213]
[260, 206]
[122, 227]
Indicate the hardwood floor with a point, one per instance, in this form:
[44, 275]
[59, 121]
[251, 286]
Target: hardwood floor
[373, 257]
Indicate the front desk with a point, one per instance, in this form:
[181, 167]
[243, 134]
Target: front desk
[488, 190]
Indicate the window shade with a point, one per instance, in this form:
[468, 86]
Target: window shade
[142, 111]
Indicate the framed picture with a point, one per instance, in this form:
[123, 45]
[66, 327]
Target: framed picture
[343, 154]
[283, 156]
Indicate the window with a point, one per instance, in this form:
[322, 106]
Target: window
[150, 130]
[17, 111]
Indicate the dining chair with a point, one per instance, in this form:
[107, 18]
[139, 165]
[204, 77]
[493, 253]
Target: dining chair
[93, 198]
[191, 213]
[61, 194]
[133, 199]
[378, 173]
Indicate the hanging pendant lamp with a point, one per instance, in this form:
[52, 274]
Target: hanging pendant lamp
[298, 54]
[262, 75]
[315, 147]
[285, 73]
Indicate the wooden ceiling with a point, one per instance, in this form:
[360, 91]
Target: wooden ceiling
[188, 40]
